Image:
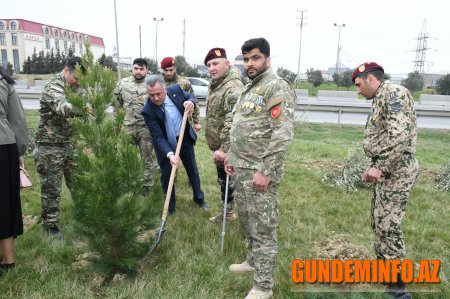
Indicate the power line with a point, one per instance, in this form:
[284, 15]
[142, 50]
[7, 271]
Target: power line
[421, 49]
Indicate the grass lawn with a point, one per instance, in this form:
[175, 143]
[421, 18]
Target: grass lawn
[316, 221]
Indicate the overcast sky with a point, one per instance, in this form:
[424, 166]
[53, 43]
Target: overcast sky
[382, 31]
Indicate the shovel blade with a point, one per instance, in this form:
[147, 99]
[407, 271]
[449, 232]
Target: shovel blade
[158, 236]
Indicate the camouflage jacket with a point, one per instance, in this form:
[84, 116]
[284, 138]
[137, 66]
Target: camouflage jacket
[186, 86]
[131, 96]
[54, 112]
[263, 124]
[222, 96]
[391, 128]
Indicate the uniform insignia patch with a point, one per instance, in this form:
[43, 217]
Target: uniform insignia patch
[218, 53]
[362, 68]
[276, 111]
[392, 95]
[396, 107]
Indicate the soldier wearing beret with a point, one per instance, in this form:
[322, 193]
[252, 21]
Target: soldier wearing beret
[390, 141]
[261, 131]
[131, 94]
[170, 75]
[224, 89]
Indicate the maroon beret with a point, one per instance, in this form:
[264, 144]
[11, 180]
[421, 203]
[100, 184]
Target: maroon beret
[167, 62]
[365, 68]
[215, 53]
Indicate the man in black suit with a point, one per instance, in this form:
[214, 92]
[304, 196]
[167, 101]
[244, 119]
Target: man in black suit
[163, 114]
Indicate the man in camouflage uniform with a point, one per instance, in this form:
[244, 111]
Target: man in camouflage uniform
[131, 94]
[53, 154]
[390, 141]
[171, 77]
[224, 90]
[261, 131]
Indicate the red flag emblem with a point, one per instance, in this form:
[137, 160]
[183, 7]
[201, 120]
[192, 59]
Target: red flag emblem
[276, 111]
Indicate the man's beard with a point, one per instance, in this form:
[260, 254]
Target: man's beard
[138, 77]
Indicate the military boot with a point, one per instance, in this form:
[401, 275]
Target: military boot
[256, 293]
[231, 215]
[242, 269]
[398, 290]
[54, 232]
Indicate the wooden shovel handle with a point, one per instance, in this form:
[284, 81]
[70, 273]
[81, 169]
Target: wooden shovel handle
[174, 168]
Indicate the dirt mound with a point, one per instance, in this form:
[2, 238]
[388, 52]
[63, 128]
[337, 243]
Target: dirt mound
[339, 247]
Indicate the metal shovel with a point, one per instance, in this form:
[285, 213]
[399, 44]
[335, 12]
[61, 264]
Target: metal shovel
[161, 230]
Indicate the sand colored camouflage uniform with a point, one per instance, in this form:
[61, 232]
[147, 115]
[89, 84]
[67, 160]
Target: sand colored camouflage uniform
[222, 96]
[390, 141]
[131, 95]
[54, 150]
[261, 131]
[186, 86]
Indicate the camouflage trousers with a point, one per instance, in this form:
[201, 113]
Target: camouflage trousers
[53, 161]
[389, 201]
[141, 137]
[258, 217]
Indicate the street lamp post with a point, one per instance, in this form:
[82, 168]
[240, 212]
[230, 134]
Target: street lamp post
[117, 42]
[339, 26]
[157, 20]
[300, 44]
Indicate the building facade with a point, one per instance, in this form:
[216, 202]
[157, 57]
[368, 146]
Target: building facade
[19, 38]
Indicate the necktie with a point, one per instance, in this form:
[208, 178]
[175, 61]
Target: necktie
[170, 130]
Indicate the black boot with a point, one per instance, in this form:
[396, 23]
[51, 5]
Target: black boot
[398, 290]
[6, 267]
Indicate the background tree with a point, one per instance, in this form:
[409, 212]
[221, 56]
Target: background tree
[184, 68]
[40, 63]
[153, 66]
[108, 61]
[414, 82]
[60, 61]
[108, 209]
[26, 66]
[314, 77]
[443, 85]
[343, 79]
[286, 74]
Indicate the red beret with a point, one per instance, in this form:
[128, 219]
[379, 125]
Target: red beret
[167, 62]
[215, 53]
[365, 68]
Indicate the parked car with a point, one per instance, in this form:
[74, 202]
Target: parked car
[200, 87]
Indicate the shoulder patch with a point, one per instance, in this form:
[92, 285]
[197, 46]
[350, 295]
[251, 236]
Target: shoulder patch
[392, 95]
[275, 112]
[396, 107]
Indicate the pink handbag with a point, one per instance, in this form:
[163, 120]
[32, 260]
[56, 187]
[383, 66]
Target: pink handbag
[25, 181]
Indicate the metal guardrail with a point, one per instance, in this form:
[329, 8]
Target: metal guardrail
[356, 112]
[334, 110]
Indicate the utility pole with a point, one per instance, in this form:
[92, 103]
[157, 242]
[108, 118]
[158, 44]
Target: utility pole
[117, 42]
[140, 43]
[157, 20]
[300, 42]
[339, 26]
[184, 35]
